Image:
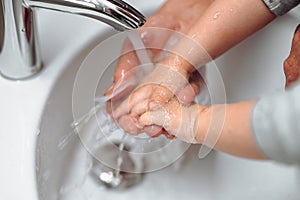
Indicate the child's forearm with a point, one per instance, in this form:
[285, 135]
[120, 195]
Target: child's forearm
[228, 128]
[224, 127]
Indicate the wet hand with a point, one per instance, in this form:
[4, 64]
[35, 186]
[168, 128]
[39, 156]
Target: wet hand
[177, 119]
[155, 90]
[171, 17]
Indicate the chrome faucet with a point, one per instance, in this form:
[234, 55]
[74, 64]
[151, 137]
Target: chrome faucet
[19, 42]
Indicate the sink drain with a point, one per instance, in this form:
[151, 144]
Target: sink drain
[116, 175]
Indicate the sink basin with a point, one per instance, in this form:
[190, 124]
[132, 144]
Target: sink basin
[46, 161]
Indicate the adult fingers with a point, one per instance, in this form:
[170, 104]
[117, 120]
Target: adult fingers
[196, 82]
[127, 61]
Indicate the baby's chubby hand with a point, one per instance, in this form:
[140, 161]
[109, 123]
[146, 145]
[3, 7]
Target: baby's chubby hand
[178, 120]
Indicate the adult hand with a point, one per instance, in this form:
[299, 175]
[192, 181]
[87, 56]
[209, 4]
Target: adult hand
[174, 15]
[292, 63]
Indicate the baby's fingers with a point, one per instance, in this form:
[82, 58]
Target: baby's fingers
[134, 99]
[160, 96]
[156, 117]
[153, 130]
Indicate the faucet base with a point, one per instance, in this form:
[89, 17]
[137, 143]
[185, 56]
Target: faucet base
[20, 56]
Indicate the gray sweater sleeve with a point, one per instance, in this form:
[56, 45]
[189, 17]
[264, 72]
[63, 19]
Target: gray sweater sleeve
[276, 125]
[280, 7]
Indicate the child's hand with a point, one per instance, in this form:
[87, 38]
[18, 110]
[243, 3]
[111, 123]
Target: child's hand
[178, 120]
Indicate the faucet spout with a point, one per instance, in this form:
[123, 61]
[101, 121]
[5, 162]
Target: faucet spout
[19, 52]
[116, 13]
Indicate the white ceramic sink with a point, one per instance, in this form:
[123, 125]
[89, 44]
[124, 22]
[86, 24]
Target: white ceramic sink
[36, 115]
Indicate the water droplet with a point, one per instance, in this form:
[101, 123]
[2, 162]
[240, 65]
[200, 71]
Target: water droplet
[216, 15]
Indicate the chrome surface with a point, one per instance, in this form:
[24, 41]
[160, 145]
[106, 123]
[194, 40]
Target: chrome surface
[110, 176]
[1, 26]
[20, 57]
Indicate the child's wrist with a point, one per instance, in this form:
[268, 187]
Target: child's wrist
[202, 115]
